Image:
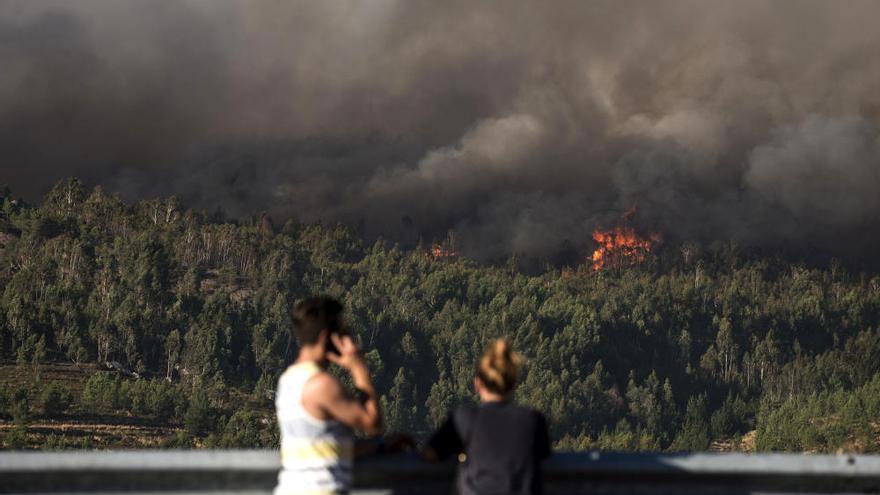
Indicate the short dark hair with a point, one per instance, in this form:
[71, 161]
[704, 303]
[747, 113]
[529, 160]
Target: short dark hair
[314, 314]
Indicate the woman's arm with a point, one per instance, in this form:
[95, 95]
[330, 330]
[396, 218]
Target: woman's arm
[542, 438]
[444, 442]
[391, 444]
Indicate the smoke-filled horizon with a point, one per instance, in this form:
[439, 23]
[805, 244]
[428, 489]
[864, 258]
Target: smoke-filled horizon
[521, 125]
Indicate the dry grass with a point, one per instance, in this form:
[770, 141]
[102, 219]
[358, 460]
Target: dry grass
[74, 430]
[81, 433]
[746, 444]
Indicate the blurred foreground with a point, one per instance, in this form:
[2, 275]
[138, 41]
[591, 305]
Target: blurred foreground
[254, 472]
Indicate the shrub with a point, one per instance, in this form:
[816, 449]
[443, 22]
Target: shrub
[54, 442]
[17, 438]
[5, 401]
[198, 414]
[55, 399]
[180, 440]
[242, 431]
[162, 399]
[101, 392]
[694, 434]
[20, 405]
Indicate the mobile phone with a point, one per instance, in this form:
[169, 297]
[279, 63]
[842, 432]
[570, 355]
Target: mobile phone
[331, 347]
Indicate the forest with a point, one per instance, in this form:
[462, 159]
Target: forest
[182, 318]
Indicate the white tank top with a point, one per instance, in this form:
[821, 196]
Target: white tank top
[316, 455]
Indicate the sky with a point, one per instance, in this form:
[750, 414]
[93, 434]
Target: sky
[521, 125]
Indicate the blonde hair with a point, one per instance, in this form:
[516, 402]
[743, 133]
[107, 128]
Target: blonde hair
[499, 367]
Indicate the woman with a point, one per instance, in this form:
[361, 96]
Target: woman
[499, 444]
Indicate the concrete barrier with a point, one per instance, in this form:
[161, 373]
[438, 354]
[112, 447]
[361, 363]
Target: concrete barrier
[254, 472]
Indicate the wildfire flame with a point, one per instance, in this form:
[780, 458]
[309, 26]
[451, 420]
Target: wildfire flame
[620, 247]
[439, 251]
[445, 249]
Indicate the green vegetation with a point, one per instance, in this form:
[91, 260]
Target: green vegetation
[693, 346]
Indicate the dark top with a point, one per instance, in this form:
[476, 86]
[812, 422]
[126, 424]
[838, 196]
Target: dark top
[500, 446]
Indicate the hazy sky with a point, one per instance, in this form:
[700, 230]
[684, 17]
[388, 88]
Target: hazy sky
[522, 125]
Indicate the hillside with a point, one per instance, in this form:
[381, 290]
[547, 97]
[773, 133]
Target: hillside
[78, 420]
[688, 348]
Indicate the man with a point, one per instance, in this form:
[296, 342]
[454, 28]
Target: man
[316, 415]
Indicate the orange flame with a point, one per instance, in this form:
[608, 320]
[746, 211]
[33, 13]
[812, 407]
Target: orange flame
[620, 247]
[439, 251]
[443, 250]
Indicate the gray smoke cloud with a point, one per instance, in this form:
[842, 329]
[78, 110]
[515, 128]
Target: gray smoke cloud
[521, 125]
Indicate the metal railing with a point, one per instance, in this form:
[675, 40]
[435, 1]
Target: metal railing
[254, 472]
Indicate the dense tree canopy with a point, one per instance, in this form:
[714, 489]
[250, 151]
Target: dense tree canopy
[691, 346]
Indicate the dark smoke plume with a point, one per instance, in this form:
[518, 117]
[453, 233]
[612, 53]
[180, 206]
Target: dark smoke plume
[521, 125]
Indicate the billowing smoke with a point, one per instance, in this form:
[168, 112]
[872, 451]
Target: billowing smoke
[520, 125]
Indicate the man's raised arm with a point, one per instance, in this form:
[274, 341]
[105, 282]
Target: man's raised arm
[362, 412]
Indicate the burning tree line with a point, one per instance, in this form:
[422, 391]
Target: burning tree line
[616, 248]
[620, 247]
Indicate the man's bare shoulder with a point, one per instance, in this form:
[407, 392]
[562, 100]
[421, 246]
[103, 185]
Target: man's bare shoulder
[322, 381]
[319, 390]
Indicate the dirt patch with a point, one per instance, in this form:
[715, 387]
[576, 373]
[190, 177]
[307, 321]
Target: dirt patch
[85, 434]
[747, 444]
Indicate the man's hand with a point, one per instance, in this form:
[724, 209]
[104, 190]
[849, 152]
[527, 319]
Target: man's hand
[349, 356]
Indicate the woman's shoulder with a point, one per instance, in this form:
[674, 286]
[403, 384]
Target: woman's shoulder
[468, 413]
[534, 412]
[528, 415]
[525, 410]
[464, 412]
[508, 409]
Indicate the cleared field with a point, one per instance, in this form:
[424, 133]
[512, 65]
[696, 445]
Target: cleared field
[74, 429]
[86, 433]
